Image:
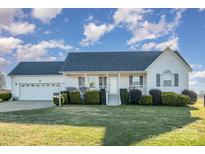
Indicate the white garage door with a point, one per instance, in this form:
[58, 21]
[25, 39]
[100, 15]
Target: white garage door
[38, 91]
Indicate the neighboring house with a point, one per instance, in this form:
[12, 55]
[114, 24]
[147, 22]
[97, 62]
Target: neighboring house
[165, 70]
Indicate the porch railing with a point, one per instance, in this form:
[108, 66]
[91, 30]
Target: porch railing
[140, 87]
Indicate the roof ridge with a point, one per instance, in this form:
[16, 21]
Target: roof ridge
[111, 52]
[40, 61]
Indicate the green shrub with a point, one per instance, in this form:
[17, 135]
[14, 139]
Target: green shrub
[169, 99]
[66, 96]
[156, 96]
[192, 95]
[169, 92]
[135, 96]
[75, 97]
[182, 100]
[146, 100]
[124, 96]
[56, 100]
[5, 96]
[102, 96]
[92, 97]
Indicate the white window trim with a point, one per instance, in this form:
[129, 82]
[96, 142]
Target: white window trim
[162, 80]
[103, 82]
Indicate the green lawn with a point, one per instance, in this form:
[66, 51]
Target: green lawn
[104, 125]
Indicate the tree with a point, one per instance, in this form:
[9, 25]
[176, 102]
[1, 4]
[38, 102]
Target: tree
[2, 80]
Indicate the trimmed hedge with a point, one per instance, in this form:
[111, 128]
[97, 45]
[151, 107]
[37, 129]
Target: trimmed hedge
[135, 96]
[65, 95]
[156, 96]
[146, 100]
[169, 92]
[92, 97]
[102, 96]
[75, 97]
[124, 96]
[192, 95]
[5, 96]
[182, 100]
[173, 99]
[56, 100]
[169, 99]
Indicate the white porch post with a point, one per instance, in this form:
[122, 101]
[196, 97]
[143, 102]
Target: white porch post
[85, 76]
[119, 87]
[107, 90]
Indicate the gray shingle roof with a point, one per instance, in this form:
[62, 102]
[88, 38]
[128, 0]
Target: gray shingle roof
[178, 54]
[109, 61]
[37, 68]
[92, 61]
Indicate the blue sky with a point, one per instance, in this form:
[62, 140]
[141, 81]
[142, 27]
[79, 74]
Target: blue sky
[50, 34]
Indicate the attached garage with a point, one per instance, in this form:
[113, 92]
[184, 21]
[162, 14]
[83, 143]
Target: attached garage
[36, 80]
[38, 91]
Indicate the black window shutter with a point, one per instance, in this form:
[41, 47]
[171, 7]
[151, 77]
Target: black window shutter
[158, 80]
[141, 80]
[130, 80]
[176, 79]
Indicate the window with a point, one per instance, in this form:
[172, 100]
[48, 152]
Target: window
[102, 82]
[136, 80]
[81, 81]
[167, 83]
[167, 79]
[92, 81]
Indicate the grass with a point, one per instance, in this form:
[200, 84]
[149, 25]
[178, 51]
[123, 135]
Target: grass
[105, 125]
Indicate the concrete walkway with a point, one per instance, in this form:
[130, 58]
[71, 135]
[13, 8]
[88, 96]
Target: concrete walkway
[24, 105]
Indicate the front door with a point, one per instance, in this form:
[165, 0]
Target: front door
[113, 85]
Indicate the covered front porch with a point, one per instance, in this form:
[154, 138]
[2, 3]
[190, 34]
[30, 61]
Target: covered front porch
[112, 82]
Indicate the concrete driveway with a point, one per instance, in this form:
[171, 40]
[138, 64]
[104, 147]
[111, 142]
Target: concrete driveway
[24, 105]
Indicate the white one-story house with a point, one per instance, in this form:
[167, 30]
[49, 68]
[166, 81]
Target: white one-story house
[165, 70]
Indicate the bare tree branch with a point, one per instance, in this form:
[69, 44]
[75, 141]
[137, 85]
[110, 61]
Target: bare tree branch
[2, 80]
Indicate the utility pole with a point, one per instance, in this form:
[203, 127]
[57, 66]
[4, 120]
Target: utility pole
[204, 100]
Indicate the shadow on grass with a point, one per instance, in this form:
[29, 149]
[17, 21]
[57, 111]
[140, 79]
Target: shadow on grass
[124, 125]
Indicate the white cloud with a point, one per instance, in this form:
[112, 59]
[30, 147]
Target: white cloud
[140, 35]
[134, 21]
[66, 20]
[4, 63]
[94, 32]
[131, 17]
[172, 43]
[201, 9]
[197, 80]
[52, 58]
[10, 20]
[90, 18]
[196, 66]
[45, 15]
[7, 16]
[38, 51]
[20, 28]
[198, 74]
[148, 30]
[7, 44]
[47, 32]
